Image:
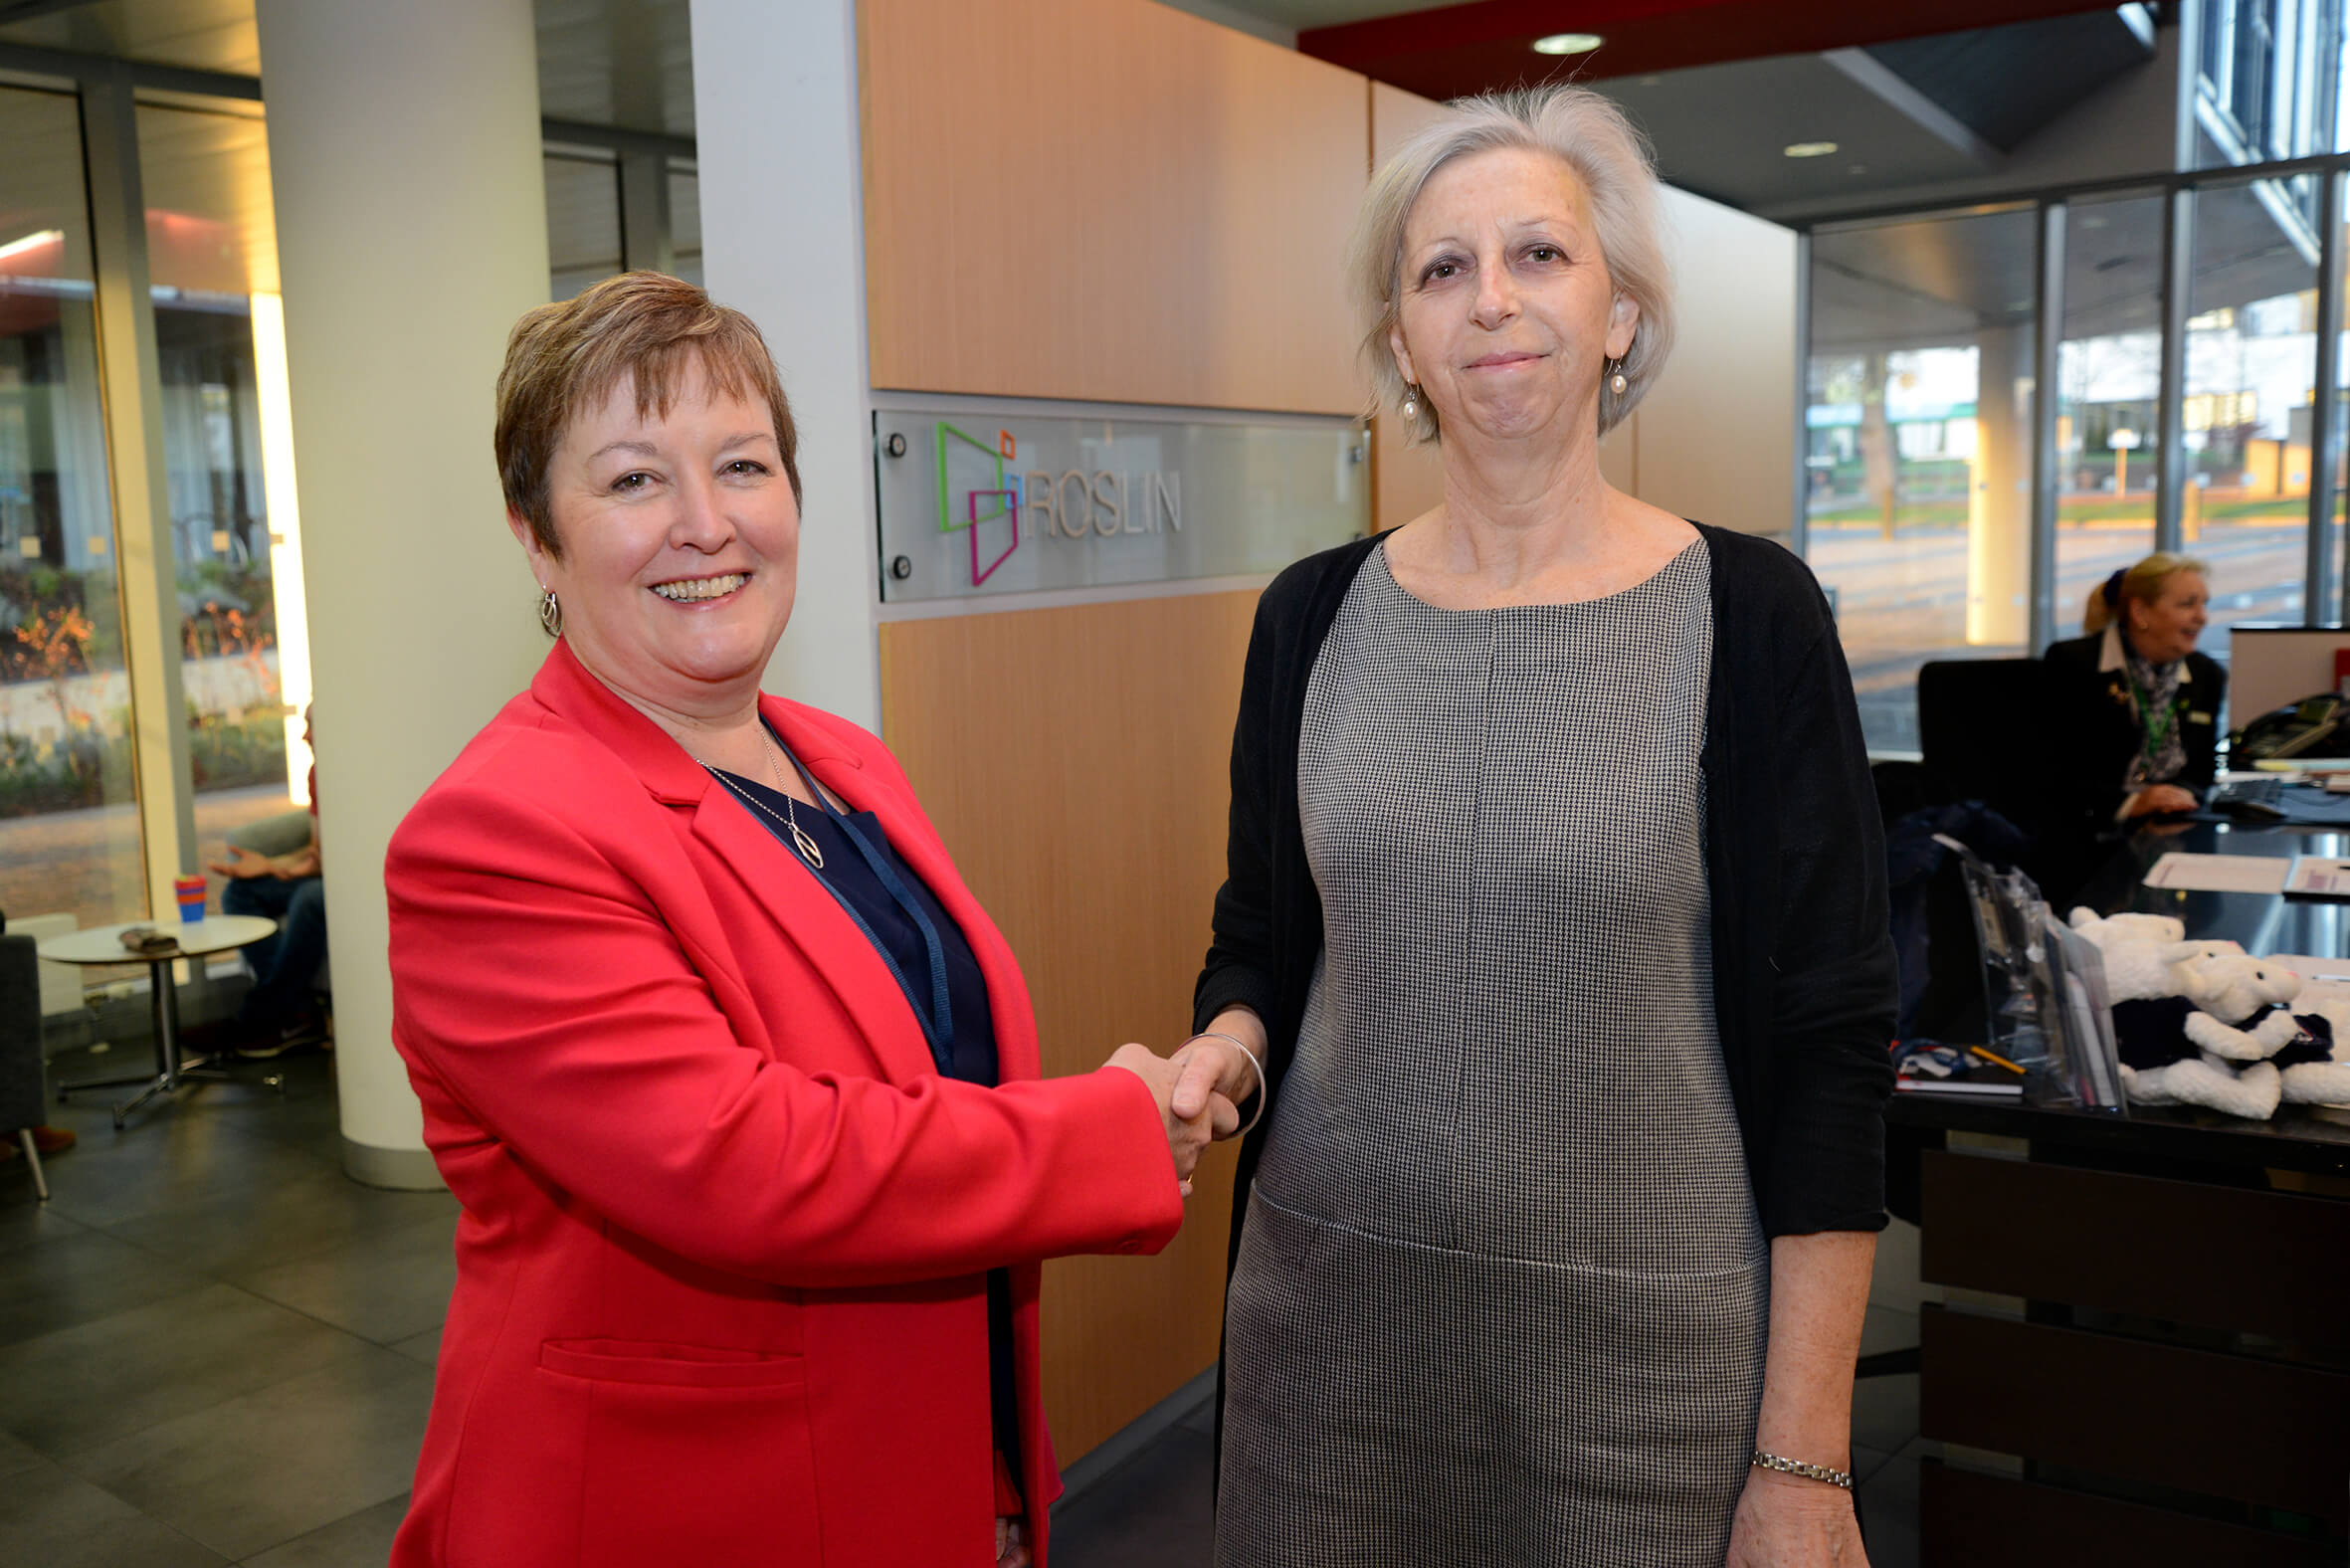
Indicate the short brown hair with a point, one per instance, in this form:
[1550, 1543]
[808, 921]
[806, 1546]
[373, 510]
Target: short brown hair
[647, 327]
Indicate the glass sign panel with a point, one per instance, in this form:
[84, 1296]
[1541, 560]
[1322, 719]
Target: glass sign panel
[1007, 501]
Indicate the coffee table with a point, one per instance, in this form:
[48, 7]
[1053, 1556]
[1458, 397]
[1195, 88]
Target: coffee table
[103, 944]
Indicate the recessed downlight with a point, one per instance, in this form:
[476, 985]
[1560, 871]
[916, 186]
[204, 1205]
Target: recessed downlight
[35, 241]
[1568, 43]
[1809, 150]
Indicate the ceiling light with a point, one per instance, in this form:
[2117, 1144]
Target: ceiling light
[1810, 150]
[30, 243]
[1568, 43]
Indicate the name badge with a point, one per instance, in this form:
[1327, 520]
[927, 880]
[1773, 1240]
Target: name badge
[2199, 718]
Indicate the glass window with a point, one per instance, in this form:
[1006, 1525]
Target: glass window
[212, 254]
[2251, 347]
[69, 814]
[2270, 80]
[2333, 612]
[582, 223]
[1918, 432]
[685, 222]
[2108, 388]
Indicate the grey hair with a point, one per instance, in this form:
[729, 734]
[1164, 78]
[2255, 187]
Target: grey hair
[1583, 131]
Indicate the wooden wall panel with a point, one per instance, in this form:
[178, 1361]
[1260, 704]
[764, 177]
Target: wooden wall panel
[1105, 200]
[1405, 481]
[1075, 762]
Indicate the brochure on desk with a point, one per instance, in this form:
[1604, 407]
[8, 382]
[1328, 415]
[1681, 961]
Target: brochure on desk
[2318, 876]
[2044, 992]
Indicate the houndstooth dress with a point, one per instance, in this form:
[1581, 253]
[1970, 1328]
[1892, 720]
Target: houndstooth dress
[1503, 1293]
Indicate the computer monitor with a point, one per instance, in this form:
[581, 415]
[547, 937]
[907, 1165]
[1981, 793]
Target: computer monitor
[2270, 665]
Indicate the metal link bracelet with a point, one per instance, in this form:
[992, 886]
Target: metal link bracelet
[1261, 1093]
[1772, 1462]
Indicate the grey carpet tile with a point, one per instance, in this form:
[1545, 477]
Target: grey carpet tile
[262, 1469]
[78, 1277]
[1888, 1501]
[393, 1286]
[18, 1456]
[1866, 1461]
[359, 1540]
[24, 1222]
[1884, 1412]
[54, 1519]
[425, 1348]
[1154, 1512]
[305, 1113]
[1202, 1417]
[67, 1391]
[235, 1234]
[16, 1188]
[113, 1177]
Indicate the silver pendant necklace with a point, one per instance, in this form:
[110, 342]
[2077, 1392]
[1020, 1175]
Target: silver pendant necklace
[807, 846]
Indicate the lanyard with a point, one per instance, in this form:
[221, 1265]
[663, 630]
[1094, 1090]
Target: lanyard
[939, 1020]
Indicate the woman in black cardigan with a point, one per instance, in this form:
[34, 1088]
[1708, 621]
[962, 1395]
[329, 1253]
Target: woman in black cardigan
[2134, 709]
[1553, 949]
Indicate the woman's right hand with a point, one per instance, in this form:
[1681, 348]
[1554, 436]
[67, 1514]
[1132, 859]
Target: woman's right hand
[1186, 1135]
[2159, 800]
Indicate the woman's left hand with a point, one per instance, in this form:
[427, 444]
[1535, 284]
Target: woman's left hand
[1010, 1543]
[1211, 1067]
[1786, 1521]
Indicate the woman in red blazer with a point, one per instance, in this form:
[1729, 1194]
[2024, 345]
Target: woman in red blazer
[752, 1209]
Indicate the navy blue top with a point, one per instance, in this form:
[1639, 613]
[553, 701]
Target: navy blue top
[972, 1050]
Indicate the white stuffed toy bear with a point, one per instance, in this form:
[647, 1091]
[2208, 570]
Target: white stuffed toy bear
[2321, 1080]
[2205, 1024]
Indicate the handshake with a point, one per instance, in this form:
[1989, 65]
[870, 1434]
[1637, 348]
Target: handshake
[1200, 1088]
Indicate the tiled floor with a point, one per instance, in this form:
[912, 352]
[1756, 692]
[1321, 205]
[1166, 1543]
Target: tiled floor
[215, 1348]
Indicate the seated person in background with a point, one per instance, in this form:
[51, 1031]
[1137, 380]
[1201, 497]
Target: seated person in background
[280, 1013]
[2133, 710]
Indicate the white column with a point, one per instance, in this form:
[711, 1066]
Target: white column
[1999, 496]
[404, 153]
[782, 240]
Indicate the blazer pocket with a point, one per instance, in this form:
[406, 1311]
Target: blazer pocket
[690, 1454]
[655, 1364]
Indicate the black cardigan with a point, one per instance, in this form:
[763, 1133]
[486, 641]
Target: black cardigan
[1803, 963]
[2094, 730]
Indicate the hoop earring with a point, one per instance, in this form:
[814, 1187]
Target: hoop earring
[551, 614]
[1616, 381]
[1411, 403]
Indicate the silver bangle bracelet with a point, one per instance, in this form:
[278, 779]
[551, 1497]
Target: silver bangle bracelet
[1772, 1462]
[1218, 1034]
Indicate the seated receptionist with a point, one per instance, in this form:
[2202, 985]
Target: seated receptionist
[2133, 710]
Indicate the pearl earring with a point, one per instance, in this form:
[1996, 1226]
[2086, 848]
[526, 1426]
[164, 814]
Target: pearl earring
[1410, 408]
[1616, 381]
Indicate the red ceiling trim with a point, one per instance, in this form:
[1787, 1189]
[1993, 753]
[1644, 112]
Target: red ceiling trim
[1488, 43]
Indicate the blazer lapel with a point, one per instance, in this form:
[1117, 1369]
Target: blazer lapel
[809, 914]
[772, 875]
[911, 834]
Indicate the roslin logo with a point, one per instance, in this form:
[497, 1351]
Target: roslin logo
[974, 493]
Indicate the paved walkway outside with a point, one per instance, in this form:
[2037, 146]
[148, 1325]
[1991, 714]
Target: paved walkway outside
[86, 863]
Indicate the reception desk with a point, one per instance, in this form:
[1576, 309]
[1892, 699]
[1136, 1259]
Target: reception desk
[2145, 1354]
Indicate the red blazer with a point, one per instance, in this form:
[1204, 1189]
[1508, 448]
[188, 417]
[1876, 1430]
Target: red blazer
[720, 1288]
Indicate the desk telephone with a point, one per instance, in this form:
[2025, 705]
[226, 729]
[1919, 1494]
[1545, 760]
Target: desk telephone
[2314, 726]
